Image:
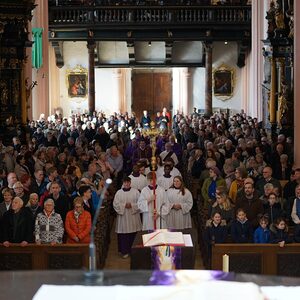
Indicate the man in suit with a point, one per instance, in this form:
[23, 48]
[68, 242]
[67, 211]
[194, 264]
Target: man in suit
[85, 192]
[17, 224]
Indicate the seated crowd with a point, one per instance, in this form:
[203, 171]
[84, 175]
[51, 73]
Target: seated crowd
[52, 176]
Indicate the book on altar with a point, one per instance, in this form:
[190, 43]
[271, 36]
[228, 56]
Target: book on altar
[163, 237]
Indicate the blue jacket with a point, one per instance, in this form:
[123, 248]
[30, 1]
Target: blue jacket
[262, 236]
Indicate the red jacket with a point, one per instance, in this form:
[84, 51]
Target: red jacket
[81, 229]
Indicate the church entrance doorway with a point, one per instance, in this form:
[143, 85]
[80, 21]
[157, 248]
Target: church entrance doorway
[151, 91]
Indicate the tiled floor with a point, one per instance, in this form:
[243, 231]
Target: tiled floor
[114, 261]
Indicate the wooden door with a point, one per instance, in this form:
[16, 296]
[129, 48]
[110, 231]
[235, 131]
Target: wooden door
[151, 92]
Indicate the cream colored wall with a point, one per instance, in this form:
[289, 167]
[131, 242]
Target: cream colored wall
[113, 86]
[227, 54]
[222, 54]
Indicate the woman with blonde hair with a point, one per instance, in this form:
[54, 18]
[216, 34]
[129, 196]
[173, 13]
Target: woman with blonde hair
[223, 206]
[78, 223]
[238, 184]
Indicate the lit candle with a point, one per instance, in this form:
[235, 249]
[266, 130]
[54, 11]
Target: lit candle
[225, 263]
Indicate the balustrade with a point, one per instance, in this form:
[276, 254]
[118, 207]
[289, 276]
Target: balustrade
[142, 15]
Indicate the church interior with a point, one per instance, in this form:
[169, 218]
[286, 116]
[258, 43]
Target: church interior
[131, 116]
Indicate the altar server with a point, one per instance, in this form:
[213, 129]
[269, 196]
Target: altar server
[154, 205]
[181, 202]
[138, 180]
[128, 216]
[166, 180]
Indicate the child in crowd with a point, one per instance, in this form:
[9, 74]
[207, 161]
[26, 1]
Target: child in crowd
[215, 233]
[273, 208]
[262, 233]
[241, 228]
[279, 233]
[216, 230]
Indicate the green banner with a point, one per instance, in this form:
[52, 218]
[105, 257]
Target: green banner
[37, 47]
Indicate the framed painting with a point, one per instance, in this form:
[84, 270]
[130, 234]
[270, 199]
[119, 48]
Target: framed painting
[77, 82]
[223, 82]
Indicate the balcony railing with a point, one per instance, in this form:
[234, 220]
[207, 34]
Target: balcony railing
[81, 16]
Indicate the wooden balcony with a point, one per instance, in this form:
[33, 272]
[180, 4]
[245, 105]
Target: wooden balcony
[140, 22]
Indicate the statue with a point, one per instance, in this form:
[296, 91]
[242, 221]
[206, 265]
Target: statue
[3, 93]
[283, 107]
[271, 20]
[29, 87]
[279, 18]
[290, 15]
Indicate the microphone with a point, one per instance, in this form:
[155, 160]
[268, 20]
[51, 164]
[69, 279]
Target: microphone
[92, 274]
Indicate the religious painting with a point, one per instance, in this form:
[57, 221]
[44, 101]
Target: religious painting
[223, 82]
[77, 82]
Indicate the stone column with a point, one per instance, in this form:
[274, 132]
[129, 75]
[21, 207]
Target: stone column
[208, 78]
[91, 76]
[296, 84]
[119, 90]
[185, 91]
[40, 94]
[255, 100]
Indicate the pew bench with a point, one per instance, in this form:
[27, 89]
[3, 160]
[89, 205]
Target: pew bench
[44, 257]
[266, 259]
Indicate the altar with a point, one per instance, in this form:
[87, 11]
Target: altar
[25, 284]
[143, 258]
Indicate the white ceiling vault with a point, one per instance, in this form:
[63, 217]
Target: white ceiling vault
[149, 52]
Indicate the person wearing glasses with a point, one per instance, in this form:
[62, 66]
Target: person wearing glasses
[78, 224]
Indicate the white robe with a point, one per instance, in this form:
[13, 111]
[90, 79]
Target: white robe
[138, 182]
[174, 172]
[165, 182]
[128, 219]
[162, 208]
[160, 170]
[180, 219]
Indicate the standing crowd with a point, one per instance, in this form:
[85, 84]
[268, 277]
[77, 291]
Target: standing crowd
[52, 174]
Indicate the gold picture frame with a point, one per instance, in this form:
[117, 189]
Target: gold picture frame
[223, 82]
[77, 82]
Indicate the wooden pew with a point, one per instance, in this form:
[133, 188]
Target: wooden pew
[266, 259]
[44, 257]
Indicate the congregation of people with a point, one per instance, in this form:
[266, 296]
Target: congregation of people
[52, 174]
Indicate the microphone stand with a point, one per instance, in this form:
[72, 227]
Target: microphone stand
[93, 276]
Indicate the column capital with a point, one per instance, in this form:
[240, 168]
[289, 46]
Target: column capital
[91, 45]
[207, 46]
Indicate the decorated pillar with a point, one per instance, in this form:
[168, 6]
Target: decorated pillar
[296, 33]
[14, 39]
[91, 76]
[208, 78]
[273, 92]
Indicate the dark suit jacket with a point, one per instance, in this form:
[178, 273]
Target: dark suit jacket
[90, 208]
[23, 228]
[3, 209]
